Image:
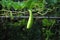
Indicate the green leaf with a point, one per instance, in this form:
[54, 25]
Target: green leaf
[15, 5]
[3, 2]
[22, 5]
[49, 33]
[9, 3]
[41, 5]
[46, 22]
[52, 2]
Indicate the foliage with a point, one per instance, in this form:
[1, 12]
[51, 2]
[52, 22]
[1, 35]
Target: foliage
[41, 5]
[46, 22]
[20, 5]
[29, 4]
[48, 34]
[20, 23]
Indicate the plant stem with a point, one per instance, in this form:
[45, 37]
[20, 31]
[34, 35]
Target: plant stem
[11, 15]
[47, 38]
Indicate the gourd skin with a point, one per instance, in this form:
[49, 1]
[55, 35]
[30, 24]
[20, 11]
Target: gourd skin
[30, 20]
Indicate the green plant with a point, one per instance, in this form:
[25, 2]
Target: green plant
[32, 4]
[48, 34]
[29, 4]
[48, 24]
[22, 22]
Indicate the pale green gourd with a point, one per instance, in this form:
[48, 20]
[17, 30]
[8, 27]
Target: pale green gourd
[30, 21]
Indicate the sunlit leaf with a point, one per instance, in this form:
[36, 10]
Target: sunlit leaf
[15, 5]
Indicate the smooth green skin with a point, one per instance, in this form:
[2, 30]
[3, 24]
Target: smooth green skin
[30, 20]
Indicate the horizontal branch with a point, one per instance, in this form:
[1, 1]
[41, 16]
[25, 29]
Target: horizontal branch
[28, 17]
